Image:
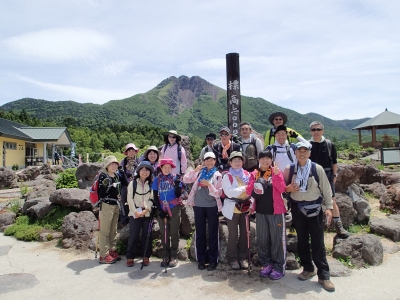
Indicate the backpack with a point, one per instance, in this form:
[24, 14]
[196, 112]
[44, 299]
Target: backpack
[134, 188]
[289, 154]
[251, 154]
[179, 150]
[94, 196]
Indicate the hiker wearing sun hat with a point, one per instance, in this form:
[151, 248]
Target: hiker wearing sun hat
[276, 119]
[129, 164]
[152, 155]
[174, 150]
[140, 201]
[167, 196]
[109, 191]
[205, 199]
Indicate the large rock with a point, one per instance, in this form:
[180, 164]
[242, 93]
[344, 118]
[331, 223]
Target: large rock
[376, 189]
[124, 235]
[8, 179]
[363, 249]
[390, 177]
[187, 221]
[41, 209]
[44, 189]
[347, 175]
[347, 212]
[389, 227]
[391, 198]
[185, 142]
[75, 198]
[28, 174]
[355, 192]
[7, 218]
[363, 210]
[78, 229]
[86, 173]
[371, 175]
[182, 252]
[291, 243]
[29, 203]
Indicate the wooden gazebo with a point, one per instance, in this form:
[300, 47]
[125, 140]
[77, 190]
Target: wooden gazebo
[385, 120]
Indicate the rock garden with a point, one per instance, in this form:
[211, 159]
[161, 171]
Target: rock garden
[48, 203]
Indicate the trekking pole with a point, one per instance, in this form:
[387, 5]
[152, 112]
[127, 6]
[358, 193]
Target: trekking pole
[248, 243]
[97, 241]
[148, 236]
[165, 245]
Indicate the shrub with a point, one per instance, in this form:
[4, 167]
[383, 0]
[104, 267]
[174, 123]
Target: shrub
[15, 204]
[55, 218]
[121, 247]
[15, 167]
[67, 179]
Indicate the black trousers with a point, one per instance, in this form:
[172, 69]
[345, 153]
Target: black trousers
[135, 225]
[202, 216]
[311, 227]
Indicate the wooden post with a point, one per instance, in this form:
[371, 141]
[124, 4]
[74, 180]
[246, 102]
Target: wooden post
[359, 137]
[233, 92]
[87, 157]
[374, 136]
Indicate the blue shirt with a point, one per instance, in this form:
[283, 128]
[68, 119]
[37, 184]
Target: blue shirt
[166, 192]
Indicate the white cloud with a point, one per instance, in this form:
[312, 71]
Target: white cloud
[60, 44]
[115, 68]
[80, 94]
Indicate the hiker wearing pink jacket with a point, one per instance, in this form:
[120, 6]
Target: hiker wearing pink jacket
[174, 150]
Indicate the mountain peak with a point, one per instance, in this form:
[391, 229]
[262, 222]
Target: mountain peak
[181, 93]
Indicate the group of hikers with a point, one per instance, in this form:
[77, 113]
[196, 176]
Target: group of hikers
[236, 179]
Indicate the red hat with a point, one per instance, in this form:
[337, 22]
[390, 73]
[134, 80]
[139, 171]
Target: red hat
[167, 161]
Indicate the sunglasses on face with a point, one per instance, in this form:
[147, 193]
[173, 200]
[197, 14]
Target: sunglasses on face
[223, 135]
[316, 129]
[276, 119]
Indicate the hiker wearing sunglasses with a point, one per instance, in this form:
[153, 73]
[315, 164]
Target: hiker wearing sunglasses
[224, 148]
[277, 119]
[323, 152]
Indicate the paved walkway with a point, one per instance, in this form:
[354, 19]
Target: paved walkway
[41, 271]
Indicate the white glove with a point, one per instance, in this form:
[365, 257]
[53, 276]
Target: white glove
[258, 188]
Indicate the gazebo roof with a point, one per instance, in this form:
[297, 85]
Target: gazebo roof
[384, 120]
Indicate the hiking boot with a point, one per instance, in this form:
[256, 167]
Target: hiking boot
[327, 285]
[212, 266]
[305, 275]
[164, 264]
[130, 262]
[173, 263]
[201, 266]
[343, 233]
[146, 261]
[265, 271]
[243, 265]
[275, 275]
[108, 259]
[235, 265]
[115, 254]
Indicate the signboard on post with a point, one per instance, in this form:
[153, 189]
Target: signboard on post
[233, 92]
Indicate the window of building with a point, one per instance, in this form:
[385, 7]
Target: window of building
[10, 145]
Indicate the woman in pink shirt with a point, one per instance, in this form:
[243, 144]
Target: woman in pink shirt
[173, 149]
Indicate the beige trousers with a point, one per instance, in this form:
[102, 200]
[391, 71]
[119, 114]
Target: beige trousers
[108, 228]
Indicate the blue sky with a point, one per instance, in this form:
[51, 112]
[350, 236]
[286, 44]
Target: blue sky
[336, 58]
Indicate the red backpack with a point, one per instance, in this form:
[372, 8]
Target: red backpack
[94, 196]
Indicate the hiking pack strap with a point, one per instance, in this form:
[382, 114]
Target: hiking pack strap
[289, 154]
[179, 150]
[313, 172]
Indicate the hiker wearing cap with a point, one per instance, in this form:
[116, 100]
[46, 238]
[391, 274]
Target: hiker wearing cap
[152, 155]
[129, 164]
[167, 192]
[174, 150]
[224, 148]
[236, 205]
[205, 199]
[283, 152]
[276, 119]
[270, 216]
[210, 138]
[308, 187]
[323, 152]
[251, 146]
[140, 201]
[109, 192]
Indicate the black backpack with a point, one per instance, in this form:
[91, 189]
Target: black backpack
[313, 172]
